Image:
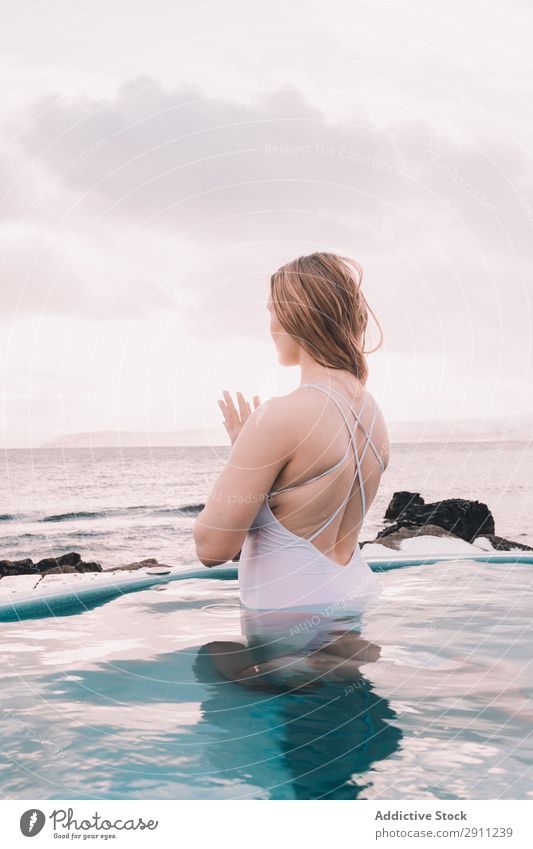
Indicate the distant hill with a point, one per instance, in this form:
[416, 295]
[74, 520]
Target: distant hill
[518, 428]
[503, 429]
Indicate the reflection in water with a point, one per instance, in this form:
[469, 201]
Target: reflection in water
[107, 705]
[328, 725]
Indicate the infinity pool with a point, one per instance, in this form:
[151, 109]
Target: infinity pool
[172, 692]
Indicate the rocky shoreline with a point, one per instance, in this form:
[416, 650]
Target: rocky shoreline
[457, 518]
[67, 563]
[408, 516]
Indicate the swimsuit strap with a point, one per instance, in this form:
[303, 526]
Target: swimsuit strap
[343, 458]
[357, 459]
[367, 434]
[315, 477]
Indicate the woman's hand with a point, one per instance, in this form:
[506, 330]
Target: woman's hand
[233, 419]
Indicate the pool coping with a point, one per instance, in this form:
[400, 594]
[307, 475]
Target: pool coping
[59, 594]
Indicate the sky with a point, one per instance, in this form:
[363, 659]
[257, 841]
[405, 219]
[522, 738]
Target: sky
[160, 160]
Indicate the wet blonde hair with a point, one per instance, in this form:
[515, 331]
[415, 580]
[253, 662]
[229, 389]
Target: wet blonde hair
[318, 301]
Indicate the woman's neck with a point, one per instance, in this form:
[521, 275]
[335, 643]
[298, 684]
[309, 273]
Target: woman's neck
[310, 370]
[339, 379]
[314, 373]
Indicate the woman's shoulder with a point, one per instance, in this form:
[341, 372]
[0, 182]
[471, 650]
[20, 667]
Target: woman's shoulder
[301, 397]
[299, 408]
[287, 413]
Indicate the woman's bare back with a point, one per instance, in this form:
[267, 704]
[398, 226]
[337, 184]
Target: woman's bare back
[322, 439]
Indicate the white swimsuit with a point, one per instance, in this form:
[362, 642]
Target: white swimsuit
[280, 570]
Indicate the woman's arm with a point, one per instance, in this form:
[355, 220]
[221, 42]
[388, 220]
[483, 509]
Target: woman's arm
[262, 448]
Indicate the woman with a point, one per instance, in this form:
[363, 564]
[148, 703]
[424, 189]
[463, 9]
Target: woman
[305, 467]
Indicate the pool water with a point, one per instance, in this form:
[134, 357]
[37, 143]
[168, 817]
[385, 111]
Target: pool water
[173, 692]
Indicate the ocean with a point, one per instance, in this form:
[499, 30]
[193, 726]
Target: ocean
[176, 692]
[118, 505]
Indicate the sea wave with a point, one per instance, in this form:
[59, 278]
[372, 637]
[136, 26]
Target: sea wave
[185, 510]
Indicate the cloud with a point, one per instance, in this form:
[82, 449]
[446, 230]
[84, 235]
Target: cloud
[155, 173]
[174, 199]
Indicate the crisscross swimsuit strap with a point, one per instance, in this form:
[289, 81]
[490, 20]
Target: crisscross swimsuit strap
[352, 442]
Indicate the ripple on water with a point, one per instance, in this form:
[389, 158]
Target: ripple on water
[139, 693]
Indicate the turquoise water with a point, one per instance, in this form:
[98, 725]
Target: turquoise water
[171, 693]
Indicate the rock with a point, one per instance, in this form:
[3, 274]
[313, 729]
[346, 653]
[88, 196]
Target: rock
[70, 562]
[458, 518]
[66, 563]
[70, 559]
[462, 518]
[26, 562]
[502, 544]
[17, 567]
[68, 568]
[59, 570]
[88, 567]
[137, 564]
[394, 539]
[400, 501]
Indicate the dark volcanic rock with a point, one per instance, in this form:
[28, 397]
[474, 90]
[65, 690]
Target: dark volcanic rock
[66, 563]
[138, 564]
[56, 570]
[502, 544]
[88, 567]
[81, 567]
[395, 538]
[401, 501]
[70, 562]
[17, 567]
[460, 517]
[70, 559]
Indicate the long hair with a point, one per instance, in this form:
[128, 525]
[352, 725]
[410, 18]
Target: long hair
[318, 301]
